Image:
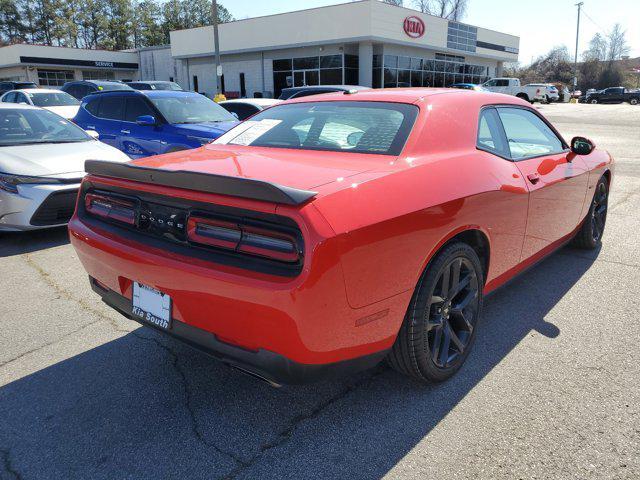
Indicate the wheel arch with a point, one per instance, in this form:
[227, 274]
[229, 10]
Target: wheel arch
[474, 236]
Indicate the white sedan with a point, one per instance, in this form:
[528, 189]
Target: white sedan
[42, 159]
[55, 101]
[243, 108]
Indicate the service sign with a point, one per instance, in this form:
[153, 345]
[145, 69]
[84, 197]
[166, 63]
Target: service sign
[413, 26]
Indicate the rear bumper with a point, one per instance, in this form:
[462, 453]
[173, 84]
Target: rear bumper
[272, 367]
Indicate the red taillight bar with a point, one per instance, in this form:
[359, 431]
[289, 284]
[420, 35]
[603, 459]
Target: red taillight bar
[216, 233]
[110, 207]
[243, 238]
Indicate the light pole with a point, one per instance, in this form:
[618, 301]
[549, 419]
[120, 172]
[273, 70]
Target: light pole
[214, 20]
[575, 60]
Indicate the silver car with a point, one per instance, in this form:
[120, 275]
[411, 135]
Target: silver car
[42, 159]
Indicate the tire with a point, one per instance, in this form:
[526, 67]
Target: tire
[434, 322]
[524, 97]
[634, 101]
[589, 236]
[593, 101]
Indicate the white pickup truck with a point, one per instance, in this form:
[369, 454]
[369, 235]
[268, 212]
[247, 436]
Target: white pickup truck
[511, 86]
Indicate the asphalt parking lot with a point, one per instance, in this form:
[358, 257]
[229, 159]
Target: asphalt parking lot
[551, 390]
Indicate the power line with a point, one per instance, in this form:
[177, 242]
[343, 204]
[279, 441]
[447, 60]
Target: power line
[602, 30]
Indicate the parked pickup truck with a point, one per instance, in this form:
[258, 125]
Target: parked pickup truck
[614, 95]
[511, 86]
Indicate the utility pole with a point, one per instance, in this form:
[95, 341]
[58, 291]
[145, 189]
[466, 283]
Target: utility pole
[575, 60]
[214, 19]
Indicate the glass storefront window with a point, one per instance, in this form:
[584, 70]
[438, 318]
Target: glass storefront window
[404, 78]
[283, 64]
[331, 76]
[351, 61]
[404, 62]
[331, 61]
[416, 78]
[390, 61]
[377, 61]
[416, 64]
[390, 77]
[304, 63]
[351, 76]
[377, 78]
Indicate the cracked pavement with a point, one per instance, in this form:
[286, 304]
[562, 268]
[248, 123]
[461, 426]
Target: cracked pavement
[551, 389]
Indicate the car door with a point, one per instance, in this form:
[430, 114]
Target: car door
[140, 140]
[556, 178]
[109, 122]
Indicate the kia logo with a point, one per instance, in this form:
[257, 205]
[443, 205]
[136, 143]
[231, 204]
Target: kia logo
[413, 27]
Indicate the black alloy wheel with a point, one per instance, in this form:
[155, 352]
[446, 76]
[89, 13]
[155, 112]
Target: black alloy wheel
[590, 234]
[599, 211]
[440, 326]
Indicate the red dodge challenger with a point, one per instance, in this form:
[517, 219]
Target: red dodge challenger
[328, 233]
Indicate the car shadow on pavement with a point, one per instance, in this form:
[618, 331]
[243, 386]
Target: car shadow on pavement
[145, 406]
[17, 243]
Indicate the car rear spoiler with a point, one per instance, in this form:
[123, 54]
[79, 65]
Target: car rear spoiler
[202, 182]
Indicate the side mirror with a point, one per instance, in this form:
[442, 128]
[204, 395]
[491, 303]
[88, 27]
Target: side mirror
[93, 134]
[146, 121]
[582, 146]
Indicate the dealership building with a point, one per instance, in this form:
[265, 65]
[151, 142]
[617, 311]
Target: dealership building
[365, 42]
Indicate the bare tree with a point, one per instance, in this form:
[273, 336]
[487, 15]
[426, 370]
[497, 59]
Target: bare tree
[597, 50]
[618, 46]
[397, 3]
[449, 9]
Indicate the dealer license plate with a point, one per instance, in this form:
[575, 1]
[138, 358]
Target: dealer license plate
[152, 306]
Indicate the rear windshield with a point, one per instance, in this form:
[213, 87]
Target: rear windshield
[109, 86]
[359, 127]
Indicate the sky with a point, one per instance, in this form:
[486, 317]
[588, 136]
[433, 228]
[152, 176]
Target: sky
[540, 24]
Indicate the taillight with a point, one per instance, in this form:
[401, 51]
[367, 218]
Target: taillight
[110, 207]
[243, 238]
[213, 232]
[266, 243]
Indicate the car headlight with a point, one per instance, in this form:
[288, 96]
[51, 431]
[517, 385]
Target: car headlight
[202, 140]
[9, 183]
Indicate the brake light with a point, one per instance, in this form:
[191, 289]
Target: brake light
[110, 207]
[213, 232]
[243, 238]
[266, 243]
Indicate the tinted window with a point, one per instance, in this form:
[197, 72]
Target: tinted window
[136, 107]
[490, 134]
[502, 83]
[92, 106]
[111, 108]
[528, 135]
[21, 98]
[243, 110]
[360, 127]
[9, 97]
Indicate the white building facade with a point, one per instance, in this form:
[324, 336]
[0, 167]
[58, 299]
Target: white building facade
[364, 42]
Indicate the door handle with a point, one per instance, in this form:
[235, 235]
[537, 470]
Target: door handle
[533, 178]
[126, 132]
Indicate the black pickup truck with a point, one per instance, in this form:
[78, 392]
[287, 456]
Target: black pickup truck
[615, 95]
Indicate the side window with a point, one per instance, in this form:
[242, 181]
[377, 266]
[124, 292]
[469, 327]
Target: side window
[73, 91]
[111, 108]
[490, 134]
[21, 98]
[527, 134]
[490, 83]
[502, 83]
[10, 97]
[93, 106]
[242, 110]
[136, 107]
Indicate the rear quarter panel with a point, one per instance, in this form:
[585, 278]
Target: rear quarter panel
[390, 226]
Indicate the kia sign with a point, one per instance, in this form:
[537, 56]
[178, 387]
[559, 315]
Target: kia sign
[413, 26]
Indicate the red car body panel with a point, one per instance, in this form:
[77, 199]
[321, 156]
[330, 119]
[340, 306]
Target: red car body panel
[369, 233]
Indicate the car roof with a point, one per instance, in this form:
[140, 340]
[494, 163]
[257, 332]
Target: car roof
[406, 95]
[151, 82]
[264, 102]
[38, 90]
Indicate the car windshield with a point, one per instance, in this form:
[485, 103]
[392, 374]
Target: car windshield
[166, 86]
[358, 127]
[108, 86]
[52, 99]
[22, 126]
[191, 109]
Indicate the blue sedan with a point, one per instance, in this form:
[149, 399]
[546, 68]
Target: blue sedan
[143, 123]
